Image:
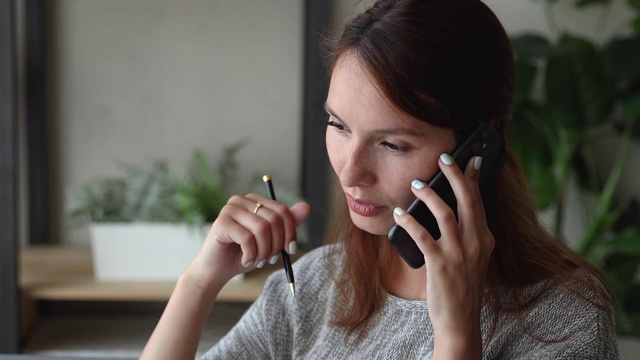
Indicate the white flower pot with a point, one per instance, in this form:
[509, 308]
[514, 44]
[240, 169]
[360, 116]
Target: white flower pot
[143, 251]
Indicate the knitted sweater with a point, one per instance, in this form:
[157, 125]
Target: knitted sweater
[281, 326]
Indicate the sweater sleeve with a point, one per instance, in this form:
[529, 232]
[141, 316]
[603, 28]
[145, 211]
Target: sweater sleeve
[266, 330]
[562, 325]
[596, 341]
[261, 331]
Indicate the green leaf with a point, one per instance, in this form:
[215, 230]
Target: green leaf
[561, 93]
[621, 266]
[532, 147]
[626, 242]
[605, 214]
[634, 4]
[631, 106]
[635, 25]
[525, 78]
[580, 85]
[624, 53]
[228, 166]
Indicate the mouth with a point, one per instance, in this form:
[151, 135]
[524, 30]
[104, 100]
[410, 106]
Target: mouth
[364, 208]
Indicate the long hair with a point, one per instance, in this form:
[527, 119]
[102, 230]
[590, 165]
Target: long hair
[450, 64]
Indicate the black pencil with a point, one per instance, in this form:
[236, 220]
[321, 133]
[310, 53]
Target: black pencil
[285, 257]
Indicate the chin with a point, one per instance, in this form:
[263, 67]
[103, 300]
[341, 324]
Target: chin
[373, 225]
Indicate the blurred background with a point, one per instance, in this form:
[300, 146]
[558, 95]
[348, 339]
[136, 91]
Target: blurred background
[157, 104]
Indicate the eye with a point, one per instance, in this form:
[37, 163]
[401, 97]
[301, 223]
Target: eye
[394, 147]
[338, 126]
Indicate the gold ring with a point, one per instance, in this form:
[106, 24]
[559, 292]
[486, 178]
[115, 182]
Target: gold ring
[258, 206]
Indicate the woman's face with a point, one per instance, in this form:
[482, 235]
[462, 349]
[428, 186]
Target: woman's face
[375, 149]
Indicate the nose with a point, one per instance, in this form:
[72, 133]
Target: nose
[358, 167]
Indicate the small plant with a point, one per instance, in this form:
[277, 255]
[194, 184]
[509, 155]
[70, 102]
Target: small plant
[205, 190]
[156, 195]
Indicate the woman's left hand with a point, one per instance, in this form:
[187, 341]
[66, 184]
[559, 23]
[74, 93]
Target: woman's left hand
[456, 264]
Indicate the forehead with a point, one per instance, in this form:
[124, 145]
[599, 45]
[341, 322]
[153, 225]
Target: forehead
[354, 95]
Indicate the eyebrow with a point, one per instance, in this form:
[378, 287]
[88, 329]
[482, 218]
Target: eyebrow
[405, 131]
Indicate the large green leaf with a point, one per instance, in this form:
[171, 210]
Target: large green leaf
[625, 56]
[631, 107]
[562, 93]
[526, 73]
[626, 242]
[635, 25]
[534, 151]
[596, 80]
[621, 266]
[580, 85]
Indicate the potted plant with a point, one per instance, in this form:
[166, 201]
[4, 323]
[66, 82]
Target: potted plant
[570, 93]
[149, 224]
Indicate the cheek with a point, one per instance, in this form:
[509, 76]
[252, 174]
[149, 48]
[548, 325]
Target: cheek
[333, 151]
[405, 173]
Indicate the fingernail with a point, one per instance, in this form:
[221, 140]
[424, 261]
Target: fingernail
[477, 162]
[417, 184]
[398, 211]
[274, 259]
[446, 159]
[261, 263]
[248, 265]
[293, 248]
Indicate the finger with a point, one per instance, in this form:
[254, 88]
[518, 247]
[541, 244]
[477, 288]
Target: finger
[472, 173]
[235, 233]
[261, 231]
[245, 212]
[275, 218]
[291, 218]
[423, 239]
[243, 237]
[284, 223]
[299, 211]
[444, 215]
[465, 188]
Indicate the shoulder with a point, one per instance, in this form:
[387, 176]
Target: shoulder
[567, 319]
[318, 258]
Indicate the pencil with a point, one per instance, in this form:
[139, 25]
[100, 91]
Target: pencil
[285, 257]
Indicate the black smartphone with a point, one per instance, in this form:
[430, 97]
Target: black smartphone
[485, 142]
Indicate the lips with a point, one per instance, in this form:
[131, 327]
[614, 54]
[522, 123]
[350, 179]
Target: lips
[363, 208]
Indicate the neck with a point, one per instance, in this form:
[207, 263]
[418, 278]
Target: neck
[405, 282]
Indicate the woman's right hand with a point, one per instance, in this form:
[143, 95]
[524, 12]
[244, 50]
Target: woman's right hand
[242, 238]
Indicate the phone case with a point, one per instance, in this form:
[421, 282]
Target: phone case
[484, 141]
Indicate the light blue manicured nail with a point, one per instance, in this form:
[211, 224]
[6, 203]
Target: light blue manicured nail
[248, 265]
[417, 184]
[293, 248]
[398, 211]
[477, 162]
[261, 263]
[446, 159]
[274, 259]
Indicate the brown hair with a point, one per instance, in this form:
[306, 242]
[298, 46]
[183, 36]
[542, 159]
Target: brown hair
[450, 63]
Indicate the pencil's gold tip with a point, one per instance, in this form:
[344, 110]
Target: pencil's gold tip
[293, 288]
[266, 178]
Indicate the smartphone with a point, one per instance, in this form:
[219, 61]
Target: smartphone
[484, 141]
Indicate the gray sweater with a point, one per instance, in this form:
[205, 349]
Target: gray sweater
[280, 326]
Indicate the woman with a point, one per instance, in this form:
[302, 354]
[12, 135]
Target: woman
[410, 80]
